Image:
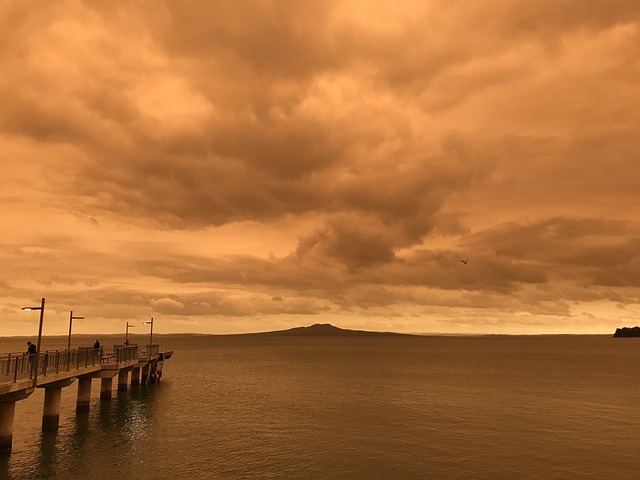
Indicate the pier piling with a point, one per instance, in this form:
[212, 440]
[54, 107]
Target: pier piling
[84, 395]
[135, 376]
[51, 410]
[105, 388]
[123, 380]
[7, 411]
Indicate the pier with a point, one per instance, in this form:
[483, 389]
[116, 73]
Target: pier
[21, 374]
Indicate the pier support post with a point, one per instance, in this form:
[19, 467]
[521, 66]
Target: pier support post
[7, 411]
[105, 388]
[135, 376]
[84, 395]
[123, 380]
[145, 374]
[51, 411]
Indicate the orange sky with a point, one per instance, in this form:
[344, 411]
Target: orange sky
[246, 166]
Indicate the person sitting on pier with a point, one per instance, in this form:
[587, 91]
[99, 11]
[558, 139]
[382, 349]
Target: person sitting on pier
[96, 345]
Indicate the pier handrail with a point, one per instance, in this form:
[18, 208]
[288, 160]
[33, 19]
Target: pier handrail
[150, 352]
[124, 353]
[19, 366]
[16, 366]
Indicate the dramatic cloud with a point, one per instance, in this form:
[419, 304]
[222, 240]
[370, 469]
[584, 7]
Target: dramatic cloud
[236, 166]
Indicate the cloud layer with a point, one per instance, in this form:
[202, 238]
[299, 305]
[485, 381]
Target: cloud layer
[241, 166]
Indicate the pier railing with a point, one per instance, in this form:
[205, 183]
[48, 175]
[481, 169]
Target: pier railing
[151, 351]
[14, 365]
[123, 353]
[19, 366]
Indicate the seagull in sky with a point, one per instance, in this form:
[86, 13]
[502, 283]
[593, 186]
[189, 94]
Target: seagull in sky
[465, 261]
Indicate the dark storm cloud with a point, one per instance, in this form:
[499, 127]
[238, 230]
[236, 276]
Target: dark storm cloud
[258, 156]
[325, 276]
[469, 34]
[349, 245]
[287, 39]
[580, 241]
[587, 251]
[241, 163]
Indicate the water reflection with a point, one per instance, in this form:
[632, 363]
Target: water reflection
[126, 411]
[88, 442]
[104, 414]
[47, 459]
[4, 464]
[79, 433]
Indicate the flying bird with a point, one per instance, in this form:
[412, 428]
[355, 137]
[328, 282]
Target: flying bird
[465, 261]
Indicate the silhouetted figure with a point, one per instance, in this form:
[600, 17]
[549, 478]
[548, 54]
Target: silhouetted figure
[465, 261]
[126, 342]
[31, 351]
[159, 365]
[96, 345]
[153, 373]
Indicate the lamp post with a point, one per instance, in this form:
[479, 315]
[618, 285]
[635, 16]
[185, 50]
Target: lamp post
[151, 334]
[41, 308]
[71, 319]
[126, 333]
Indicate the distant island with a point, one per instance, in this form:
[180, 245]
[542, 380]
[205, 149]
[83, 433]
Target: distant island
[626, 332]
[325, 330]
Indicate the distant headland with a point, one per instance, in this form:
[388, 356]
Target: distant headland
[324, 330]
[626, 332]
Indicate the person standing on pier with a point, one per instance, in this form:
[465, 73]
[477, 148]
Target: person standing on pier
[31, 351]
[96, 345]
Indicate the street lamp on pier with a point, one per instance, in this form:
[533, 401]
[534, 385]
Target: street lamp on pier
[41, 308]
[71, 319]
[151, 334]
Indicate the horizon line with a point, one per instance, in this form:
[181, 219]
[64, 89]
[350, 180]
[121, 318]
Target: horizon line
[420, 334]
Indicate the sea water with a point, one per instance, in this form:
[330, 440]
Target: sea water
[241, 407]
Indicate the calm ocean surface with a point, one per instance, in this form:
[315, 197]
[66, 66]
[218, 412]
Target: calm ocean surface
[495, 407]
